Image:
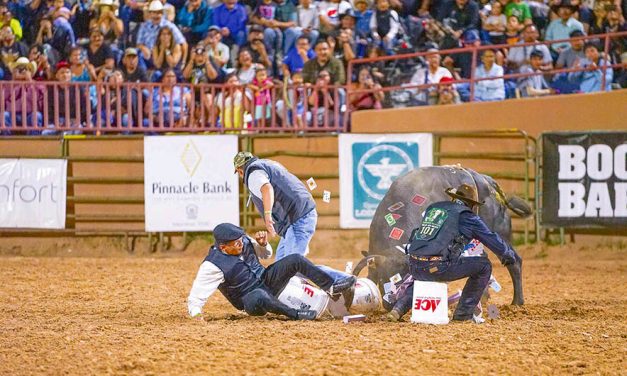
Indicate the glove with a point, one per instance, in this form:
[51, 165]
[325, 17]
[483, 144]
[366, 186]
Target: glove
[509, 258]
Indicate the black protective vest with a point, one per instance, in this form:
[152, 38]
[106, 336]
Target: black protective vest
[242, 273]
[383, 22]
[439, 235]
[291, 199]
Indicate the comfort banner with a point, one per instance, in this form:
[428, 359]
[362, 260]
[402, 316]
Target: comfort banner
[189, 184]
[32, 193]
[369, 164]
[584, 179]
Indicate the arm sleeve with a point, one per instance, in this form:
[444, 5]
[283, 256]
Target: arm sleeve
[207, 280]
[256, 180]
[394, 25]
[262, 252]
[473, 227]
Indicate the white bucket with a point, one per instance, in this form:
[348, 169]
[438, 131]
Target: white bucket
[429, 303]
[300, 294]
[367, 299]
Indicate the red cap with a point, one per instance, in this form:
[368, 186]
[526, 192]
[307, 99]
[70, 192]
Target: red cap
[62, 64]
[446, 80]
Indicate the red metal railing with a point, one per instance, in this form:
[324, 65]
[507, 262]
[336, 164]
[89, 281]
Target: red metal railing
[96, 107]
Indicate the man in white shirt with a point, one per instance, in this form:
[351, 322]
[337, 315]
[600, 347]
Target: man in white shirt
[233, 267]
[431, 74]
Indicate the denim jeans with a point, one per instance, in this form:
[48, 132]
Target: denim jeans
[19, 121]
[298, 235]
[262, 300]
[477, 269]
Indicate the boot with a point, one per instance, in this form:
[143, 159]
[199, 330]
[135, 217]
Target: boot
[393, 316]
[306, 314]
[340, 286]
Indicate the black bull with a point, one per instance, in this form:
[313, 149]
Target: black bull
[418, 189]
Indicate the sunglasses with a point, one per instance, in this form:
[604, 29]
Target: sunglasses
[21, 69]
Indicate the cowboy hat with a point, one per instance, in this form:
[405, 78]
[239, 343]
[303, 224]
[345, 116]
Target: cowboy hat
[466, 193]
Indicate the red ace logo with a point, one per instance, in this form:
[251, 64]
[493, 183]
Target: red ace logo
[426, 304]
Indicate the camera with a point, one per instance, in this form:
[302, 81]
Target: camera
[200, 51]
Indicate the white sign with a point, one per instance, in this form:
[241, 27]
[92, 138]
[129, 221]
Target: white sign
[32, 193]
[369, 164]
[189, 182]
[430, 303]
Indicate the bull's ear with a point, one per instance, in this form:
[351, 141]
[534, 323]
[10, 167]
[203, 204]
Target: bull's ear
[364, 253]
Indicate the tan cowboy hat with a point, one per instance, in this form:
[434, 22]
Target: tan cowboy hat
[466, 193]
[23, 61]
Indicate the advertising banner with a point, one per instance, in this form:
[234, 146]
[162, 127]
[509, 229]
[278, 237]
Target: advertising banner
[369, 164]
[32, 193]
[584, 179]
[189, 182]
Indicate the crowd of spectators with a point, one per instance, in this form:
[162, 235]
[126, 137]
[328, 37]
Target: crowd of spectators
[256, 45]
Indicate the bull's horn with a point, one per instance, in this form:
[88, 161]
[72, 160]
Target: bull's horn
[377, 259]
[519, 206]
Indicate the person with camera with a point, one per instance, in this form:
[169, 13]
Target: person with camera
[202, 69]
[257, 46]
[368, 93]
[595, 67]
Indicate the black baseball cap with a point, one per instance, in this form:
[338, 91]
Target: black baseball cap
[226, 232]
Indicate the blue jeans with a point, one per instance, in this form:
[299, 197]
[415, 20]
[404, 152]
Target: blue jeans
[262, 300]
[298, 235]
[477, 269]
[18, 121]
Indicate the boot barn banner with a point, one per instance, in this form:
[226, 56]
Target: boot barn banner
[32, 193]
[585, 179]
[189, 184]
[369, 164]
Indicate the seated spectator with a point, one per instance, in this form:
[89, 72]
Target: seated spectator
[10, 51]
[27, 99]
[521, 11]
[462, 62]
[534, 86]
[169, 11]
[330, 11]
[308, 21]
[489, 90]
[512, 30]
[285, 19]
[321, 102]
[385, 26]
[461, 16]
[569, 56]
[370, 100]
[62, 33]
[170, 102]
[110, 25]
[362, 27]
[291, 107]
[562, 27]
[6, 18]
[215, 48]
[64, 107]
[114, 98]
[37, 55]
[263, 17]
[519, 56]
[495, 24]
[590, 80]
[130, 67]
[82, 70]
[99, 53]
[149, 30]
[232, 103]
[431, 74]
[83, 14]
[297, 56]
[447, 94]
[261, 88]
[202, 69]
[231, 18]
[194, 20]
[342, 45]
[324, 62]
[166, 54]
[257, 46]
[245, 66]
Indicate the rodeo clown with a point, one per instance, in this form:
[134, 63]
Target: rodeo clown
[436, 246]
[233, 267]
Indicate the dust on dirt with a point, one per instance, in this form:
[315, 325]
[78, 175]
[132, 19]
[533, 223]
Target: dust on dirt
[127, 315]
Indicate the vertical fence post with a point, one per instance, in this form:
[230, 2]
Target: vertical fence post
[606, 52]
[473, 67]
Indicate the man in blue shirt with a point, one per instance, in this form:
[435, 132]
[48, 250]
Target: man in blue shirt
[194, 20]
[436, 246]
[297, 56]
[591, 79]
[231, 18]
[148, 31]
[561, 27]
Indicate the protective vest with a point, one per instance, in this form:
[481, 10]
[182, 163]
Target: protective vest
[242, 273]
[383, 22]
[439, 235]
[291, 199]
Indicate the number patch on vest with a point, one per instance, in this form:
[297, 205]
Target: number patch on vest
[434, 219]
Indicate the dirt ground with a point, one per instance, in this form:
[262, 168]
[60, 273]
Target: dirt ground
[93, 309]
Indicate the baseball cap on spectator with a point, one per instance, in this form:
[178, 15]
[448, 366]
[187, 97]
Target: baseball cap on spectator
[470, 36]
[536, 53]
[361, 1]
[131, 52]
[256, 28]
[577, 33]
[446, 80]
[65, 12]
[155, 6]
[349, 12]
[214, 28]
[61, 64]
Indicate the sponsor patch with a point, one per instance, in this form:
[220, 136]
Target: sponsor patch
[396, 206]
[418, 199]
[389, 218]
[396, 233]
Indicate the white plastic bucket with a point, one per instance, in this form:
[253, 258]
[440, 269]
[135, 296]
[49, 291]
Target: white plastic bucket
[300, 294]
[367, 299]
[429, 303]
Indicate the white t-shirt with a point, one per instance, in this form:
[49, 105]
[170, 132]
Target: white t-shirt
[256, 180]
[332, 10]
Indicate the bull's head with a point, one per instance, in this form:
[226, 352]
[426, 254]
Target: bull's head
[382, 267]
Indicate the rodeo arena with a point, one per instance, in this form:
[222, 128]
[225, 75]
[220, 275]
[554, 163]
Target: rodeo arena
[313, 187]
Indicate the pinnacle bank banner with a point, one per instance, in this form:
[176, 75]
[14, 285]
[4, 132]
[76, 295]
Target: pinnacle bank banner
[585, 179]
[369, 164]
[32, 193]
[189, 184]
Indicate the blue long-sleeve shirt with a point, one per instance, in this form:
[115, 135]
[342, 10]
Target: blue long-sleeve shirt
[198, 20]
[590, 81]
[489, 90]
[473, 227]
[234, 19]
